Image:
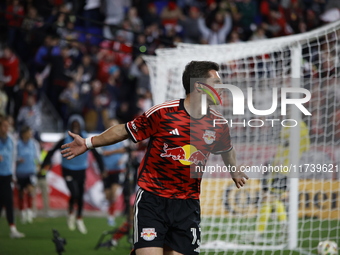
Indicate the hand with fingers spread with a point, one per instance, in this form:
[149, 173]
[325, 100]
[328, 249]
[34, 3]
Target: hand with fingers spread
[74, 148]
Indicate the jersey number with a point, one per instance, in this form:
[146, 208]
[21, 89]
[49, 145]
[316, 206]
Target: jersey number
[194, 236]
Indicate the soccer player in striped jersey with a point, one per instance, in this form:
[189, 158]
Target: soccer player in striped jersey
[167, 209]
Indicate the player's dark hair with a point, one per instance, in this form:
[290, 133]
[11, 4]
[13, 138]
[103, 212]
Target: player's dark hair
[3, 118]
[24, 129]
[197, 69]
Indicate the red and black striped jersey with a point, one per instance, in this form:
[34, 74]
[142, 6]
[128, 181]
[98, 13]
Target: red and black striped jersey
[177, 144]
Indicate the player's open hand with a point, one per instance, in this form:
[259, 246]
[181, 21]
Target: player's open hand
[74, 148]
[239, 178]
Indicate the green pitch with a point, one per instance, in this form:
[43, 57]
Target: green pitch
[38, 238]
[310, 232]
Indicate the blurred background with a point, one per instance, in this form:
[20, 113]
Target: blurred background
[83, 57]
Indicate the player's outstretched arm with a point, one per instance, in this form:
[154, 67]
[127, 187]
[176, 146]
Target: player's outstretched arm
[229, 159]
[78, 146]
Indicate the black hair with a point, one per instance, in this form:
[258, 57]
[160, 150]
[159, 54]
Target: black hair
[24, 129]
[2, 118]
[197, 69]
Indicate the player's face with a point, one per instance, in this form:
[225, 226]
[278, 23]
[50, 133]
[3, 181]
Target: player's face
[27, 135]
[75, 127]
[4, 127]
[212, 80]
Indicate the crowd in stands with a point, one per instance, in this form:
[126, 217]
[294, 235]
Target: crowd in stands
[61, 49]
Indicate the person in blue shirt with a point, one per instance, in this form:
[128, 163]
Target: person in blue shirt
[28, 154]
[74, 173]
[114, 158]
[7, 157]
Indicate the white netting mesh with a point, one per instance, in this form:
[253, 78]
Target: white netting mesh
[251, 221]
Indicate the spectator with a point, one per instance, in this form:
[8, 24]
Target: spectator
[114, 86]
[67, 33]
[317, 6]
[27, 165]
[140, 71]
[234, 37]
[215, 34]
[273, 16]
[152, 34]
[30, 115]
[134, 20]
[11, 72]
[150, 16]
[106, 60]
[86, 70]
[311, 20]
[294, 15]
[70, 100]
[62, 68]
[125, 35]
[229, 6]
[62, 18]
[14, 16]
[3, 99]
[247, 10]
[97, 107]
[25, 89]
[114, 15]
[31, 27]
[170, 16]
[92, 13]
[48, 49]
[259, 34]
[191, 30]
[141, 45]
[75, 54]
[32, 19]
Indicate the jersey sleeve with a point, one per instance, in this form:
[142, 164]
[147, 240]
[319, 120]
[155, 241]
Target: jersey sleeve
[223, 144]
[143, 126]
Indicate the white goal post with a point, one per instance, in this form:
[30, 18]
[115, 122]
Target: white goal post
[254, 220]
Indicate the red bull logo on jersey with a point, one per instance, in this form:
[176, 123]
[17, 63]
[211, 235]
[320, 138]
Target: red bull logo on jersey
[148, 234]
[187, 154]
[176, 153]
[209, 136]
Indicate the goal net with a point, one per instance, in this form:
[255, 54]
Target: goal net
[286, 211]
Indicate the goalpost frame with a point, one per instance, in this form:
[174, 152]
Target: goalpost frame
[294, 155]
[165, 72]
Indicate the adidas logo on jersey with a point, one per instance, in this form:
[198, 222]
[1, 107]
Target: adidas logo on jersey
[174, 132]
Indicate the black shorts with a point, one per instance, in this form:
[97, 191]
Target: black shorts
[23, 182]
[160, 221]
[5, 191]
[74, 175]
[110, 179]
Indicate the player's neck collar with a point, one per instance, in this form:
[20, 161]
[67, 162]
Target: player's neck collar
[181, 107]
